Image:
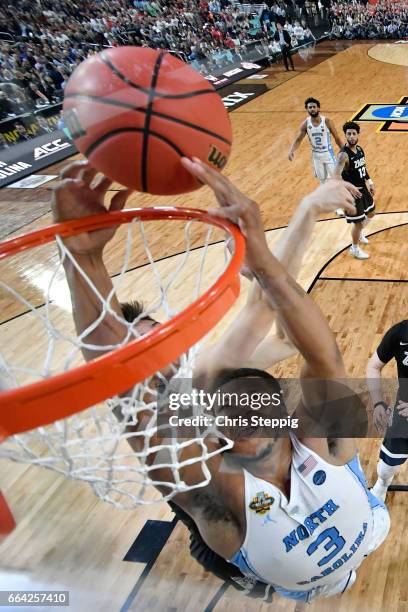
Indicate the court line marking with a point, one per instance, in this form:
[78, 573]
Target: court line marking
[216, 598]
[322, 269]
[146, 570]
[365, 280]
[178, 254]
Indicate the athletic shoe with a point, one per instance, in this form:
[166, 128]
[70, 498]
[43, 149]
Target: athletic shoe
[340, 212]
[363, 239]
[380, 489]
[356, 252]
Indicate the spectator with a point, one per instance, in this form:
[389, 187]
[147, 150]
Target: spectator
[283, 37]
[20, 132]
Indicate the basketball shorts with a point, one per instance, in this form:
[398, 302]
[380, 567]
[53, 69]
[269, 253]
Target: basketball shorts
[394, 448]
[323, 165]
[364, 205]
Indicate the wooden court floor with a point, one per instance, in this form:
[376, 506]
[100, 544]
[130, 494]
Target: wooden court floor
[66, 539]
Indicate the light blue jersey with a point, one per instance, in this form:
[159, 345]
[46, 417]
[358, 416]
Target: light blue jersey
[317, 537]
[319, 136]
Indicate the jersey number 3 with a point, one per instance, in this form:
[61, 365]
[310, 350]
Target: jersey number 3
[335, 543]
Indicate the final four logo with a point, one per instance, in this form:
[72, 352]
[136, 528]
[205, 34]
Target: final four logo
[393, 117]
[261, 503]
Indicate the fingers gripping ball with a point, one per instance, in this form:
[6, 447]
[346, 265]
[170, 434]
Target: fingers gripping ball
[134, 112]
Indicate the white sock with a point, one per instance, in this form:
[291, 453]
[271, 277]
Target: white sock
[386, 472]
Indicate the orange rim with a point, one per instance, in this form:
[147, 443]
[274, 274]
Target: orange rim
[65, 394]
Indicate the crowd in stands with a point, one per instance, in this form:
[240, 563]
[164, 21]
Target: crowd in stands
[386, 19]
[42, 41]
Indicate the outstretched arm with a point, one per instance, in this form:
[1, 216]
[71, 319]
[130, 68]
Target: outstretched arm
[303, 320]
[246, 342]
[300, 136]
[371, 186]
[341, 163]
[382, 411]
[74, 198]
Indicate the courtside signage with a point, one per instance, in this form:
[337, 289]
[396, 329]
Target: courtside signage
[393, 117]
[32, 155]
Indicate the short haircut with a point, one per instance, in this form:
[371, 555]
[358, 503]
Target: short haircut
[312, 101]
[351, 125]
[248, 376]
[132, 310]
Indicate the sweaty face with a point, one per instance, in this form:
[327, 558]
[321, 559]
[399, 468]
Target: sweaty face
[352, 137]
[313, 109]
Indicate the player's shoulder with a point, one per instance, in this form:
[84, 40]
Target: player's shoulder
[397, 331]
[359, 149]
[402, 328]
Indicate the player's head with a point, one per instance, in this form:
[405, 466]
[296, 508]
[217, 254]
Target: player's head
[248, 395]
[132, 311]
[312, 106]
[351, 130]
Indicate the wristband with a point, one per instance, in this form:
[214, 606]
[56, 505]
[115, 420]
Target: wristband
[382, 404]
[370, 182]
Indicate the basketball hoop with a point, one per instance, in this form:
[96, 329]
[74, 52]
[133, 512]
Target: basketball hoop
[55, 421]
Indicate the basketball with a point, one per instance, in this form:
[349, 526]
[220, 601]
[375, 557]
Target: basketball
[134, 112]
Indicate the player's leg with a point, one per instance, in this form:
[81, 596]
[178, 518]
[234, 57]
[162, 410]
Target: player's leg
[319, 168]
[285, 58]
[356, 222]
[369, 210]
[393, 454]
[355, 250]
[290, 59]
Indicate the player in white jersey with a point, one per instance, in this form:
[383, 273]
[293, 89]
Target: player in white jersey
[291, 511]
[319, 130]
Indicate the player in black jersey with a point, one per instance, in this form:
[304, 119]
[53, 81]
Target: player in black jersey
[394, 449]
[351, 167]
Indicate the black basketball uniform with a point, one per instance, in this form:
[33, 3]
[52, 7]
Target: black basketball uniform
[394, 345]
[356, 174]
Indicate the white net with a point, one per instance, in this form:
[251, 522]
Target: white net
[105, 444]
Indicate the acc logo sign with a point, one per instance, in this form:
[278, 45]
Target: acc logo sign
[50, 148]
[393, 117]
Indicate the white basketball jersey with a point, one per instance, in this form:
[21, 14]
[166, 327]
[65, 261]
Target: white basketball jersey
[315, 538]
[319, 136]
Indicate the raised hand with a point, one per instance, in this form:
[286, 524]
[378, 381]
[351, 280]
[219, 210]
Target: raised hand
[74, 198]
[234, 206]
[334, 194]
